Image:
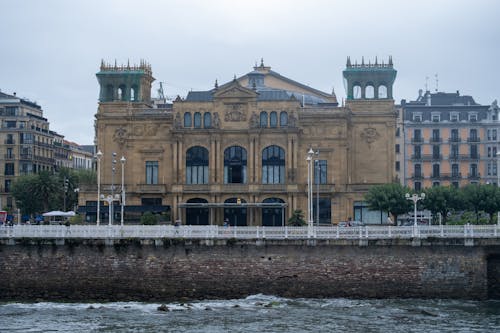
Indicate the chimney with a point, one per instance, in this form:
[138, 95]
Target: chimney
[428, 103]
[14, 93]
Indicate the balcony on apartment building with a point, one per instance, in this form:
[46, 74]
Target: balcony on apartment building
[466, 157]
[474, 175]
[417, 140]
[473, 139]
[454, 139]
[436, 139]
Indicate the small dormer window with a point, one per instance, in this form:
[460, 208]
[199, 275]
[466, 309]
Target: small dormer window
[417, 117]
[473, 117]
[454, 116]
[436, 117]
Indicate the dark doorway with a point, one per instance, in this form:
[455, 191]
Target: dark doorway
[197, 215]
[272, 216]
[235, 216]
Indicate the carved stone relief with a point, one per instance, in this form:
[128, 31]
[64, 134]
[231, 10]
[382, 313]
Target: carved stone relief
[234, 112]
[120, 136]
[370, 135]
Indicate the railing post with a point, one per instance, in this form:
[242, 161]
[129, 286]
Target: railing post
[442, 231]
[338, 232]
[257, 230]
[390, 231]
[286, 232]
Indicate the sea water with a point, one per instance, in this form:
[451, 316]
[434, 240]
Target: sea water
[257, 313]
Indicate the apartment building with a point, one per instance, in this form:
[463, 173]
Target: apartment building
[446, 139]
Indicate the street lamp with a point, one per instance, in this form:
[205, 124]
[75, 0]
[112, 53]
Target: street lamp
[66, 185]
[415, 198]
[98, 156]
[122, 160]
[110, 199]
[309, 158]
[113, 171]
[316, 178]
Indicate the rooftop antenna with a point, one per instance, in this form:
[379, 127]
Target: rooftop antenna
[161, 94]
[437, 82]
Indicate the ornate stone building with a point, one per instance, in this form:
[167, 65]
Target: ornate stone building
[238, 152]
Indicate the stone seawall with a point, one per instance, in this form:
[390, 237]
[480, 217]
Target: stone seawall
[161, 270]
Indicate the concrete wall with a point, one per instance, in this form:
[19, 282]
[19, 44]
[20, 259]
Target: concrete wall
[175, 269]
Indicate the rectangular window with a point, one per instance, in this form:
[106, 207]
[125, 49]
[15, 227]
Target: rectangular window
[11, 110]
[435, 118]
[197, 174]
[321, 171]
[417, 152]
[454, 170]
[367, 216]
[417, 186]
[10, 124]
[473, 117]
[398, 167]
[494, 135]
[473, 151]
[454, 151]
[436, 152]
[397, 148]
[454, 116]
[417, 117]
[9, 169]
[8, 183]
[398, 132]
[417, 135]
[152, 172]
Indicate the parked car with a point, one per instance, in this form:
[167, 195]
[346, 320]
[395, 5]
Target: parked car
[351, 224]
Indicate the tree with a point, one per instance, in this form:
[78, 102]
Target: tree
[389, 198]
[441, 199]
[297, 219]
[46, 188]
[23, 190]
[490, 200]
[479, 198]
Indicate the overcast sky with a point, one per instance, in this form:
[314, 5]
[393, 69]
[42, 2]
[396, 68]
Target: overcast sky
[51, 50]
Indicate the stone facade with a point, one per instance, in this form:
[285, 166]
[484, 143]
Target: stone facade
[200, 269]
[244, 142]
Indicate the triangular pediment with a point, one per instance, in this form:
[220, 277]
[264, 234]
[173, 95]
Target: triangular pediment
[235, 90]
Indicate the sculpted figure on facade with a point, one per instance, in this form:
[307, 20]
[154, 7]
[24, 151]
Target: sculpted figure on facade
[370, 135]
[216, 120]
[177, 120]
[120, 135]
[254, 120]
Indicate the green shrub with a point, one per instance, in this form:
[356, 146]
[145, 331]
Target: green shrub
[149, 219]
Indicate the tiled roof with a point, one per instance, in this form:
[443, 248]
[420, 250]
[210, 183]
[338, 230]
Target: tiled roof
[200, 96]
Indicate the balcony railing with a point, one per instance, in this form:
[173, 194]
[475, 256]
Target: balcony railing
[416, 156]
[473, 140]
[417, 176]
[10, 156]
[454, 139]
[9, 142]
[219, 232]
[432, 157]
[435, 140]
[417, 140]
[474, 175]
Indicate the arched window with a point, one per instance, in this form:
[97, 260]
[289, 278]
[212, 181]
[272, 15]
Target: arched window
[283, 119]
[207, 120]
[273, 119]
[235, 165]
[273, 165]
[356, 91]
[369, 91]
[133, 93]
[121, 93]
[197, 120]
[187, 119]
[263, 119]
[197, 165]
[382, 91]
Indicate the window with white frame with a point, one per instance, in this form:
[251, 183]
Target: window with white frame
[435, 117]
[454, 116]
[417, 116]
[473, 116]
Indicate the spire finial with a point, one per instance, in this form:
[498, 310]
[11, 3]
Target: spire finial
[261, 62]
[234, 78]
[376, 61]
[348, 62]
[216, 85]
[128, 63]
[115, 63]
[362, 61]
[390, 60]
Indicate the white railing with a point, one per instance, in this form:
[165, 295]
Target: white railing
[219, 232]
